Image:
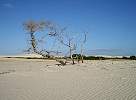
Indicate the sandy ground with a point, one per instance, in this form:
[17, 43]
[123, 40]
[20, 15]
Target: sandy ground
[26, 79]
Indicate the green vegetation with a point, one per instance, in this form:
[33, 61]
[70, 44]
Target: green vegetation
[75, 56]
[78, 56]
[132, 57]
[94, 58]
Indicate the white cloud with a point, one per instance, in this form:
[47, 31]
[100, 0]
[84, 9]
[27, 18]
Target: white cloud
[8, 5]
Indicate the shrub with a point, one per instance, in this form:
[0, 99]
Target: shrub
[133, 57]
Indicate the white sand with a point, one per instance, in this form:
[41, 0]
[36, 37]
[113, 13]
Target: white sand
[25, 79]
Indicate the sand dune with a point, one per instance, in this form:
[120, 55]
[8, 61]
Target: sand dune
[32, 79]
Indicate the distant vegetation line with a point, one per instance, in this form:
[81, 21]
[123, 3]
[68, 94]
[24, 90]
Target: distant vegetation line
[106, 58]
[75, 56]
[103, 58]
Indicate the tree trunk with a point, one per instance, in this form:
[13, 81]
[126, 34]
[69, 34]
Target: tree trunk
[33, 43]
[82, 58]
[70, 51]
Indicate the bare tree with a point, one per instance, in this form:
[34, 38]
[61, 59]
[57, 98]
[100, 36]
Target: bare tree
[82, 43]
[68, 42]
[32, 28]
[71, 47]
[52, 30]
[62, 36]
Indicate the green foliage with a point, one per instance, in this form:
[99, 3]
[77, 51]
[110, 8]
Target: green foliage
[102, 58]
[129, 58]
[125, 57]
[93, 58]
[88, 57]
[76, 55]
[133, 57]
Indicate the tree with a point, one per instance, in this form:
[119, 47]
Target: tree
[67, 40]
[52, 30]
[133, 57]
[32, 28]
[82, 43]
[64, 38]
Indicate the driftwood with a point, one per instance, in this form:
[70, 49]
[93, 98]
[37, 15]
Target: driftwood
[63, 63]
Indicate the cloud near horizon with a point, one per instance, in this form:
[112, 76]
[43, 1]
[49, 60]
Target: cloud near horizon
[105, 51]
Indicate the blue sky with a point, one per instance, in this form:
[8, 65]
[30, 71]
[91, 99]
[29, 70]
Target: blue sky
[111, 24]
